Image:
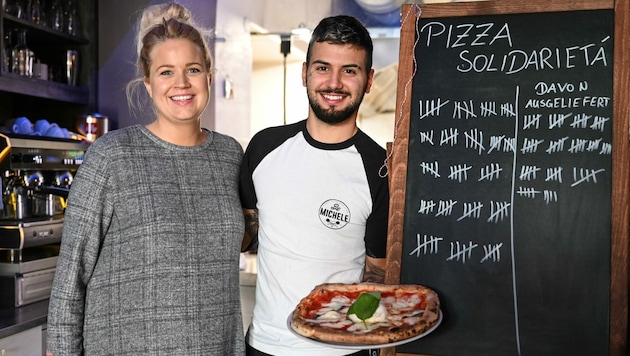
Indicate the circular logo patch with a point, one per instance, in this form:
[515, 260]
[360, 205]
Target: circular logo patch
[334, 214]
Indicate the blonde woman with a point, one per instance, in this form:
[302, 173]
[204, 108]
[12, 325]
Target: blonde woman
[150, 250]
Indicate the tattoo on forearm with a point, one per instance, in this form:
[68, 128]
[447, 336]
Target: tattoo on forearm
[251, 228]
[373, 273]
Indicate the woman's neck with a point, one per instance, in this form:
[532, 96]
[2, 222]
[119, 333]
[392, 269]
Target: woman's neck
[182, 135]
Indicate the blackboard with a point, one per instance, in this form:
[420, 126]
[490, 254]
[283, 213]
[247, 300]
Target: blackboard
[508, 180]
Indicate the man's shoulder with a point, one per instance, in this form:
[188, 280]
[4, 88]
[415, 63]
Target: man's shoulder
[280, 131]
[274, 136]
[367, 145]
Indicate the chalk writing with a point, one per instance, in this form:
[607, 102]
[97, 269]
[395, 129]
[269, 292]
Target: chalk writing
[461, 252]
[445, 208]
[430, 168]
[426, 245]
[531, 121]
[585, 175]
[514, 60]
[554, 174]
[556, 120]
[509, 169]
[528, 172]
[550, 196]
[556, 145]
[490, 172]
[474, 140]
[449, 137]
[502, 144]
[527, 192]
[431, 107]
[492, 253]
[464, 109]
[471, 210]
[459, 172]
[488, 109]
[426, 207]
[499, 211]
[426, 137]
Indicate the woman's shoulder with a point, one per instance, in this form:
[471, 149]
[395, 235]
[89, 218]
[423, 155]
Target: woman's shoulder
[116, 139]
[223, 140]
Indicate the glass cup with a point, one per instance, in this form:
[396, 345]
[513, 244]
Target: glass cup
[72, 67]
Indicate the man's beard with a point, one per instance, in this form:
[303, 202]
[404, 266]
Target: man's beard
[331, 115]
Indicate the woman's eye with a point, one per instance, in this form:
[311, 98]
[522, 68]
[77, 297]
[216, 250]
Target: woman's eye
[166, 72]
[195, 70]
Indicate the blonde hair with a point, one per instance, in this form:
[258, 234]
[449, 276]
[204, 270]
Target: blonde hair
[157, 24]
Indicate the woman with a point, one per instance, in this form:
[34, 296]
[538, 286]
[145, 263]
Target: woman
[150, 250]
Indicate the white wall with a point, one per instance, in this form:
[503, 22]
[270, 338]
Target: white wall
[268, 96]
[233, 58]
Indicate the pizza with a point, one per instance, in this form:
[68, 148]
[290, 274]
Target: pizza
[402, 312]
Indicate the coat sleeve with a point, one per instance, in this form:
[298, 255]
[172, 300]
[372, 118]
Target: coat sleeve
[86, 219]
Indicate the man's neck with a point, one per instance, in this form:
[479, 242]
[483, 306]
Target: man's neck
[331, 133]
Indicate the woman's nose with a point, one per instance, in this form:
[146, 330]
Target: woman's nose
[181, 80]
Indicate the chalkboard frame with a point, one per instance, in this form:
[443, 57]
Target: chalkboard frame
[620, 199]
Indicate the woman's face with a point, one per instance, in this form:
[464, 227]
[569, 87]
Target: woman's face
[178, 81]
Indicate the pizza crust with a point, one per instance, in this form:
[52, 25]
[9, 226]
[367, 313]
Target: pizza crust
[412, 310]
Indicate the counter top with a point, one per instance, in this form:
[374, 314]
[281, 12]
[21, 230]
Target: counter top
[15, 320]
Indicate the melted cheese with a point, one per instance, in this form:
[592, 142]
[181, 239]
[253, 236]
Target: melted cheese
[331, 314]
[379, 316]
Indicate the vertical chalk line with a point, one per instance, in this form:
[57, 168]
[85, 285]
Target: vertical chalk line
[516, 321]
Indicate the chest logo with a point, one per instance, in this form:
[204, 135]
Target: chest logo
[334, 214]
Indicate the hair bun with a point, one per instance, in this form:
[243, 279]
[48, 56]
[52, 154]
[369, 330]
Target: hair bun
[155, 15]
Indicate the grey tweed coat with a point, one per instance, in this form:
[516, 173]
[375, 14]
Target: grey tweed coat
[150, 250]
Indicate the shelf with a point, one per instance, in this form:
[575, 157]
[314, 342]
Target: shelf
[33, 97]
[43, 89]
[42, 35]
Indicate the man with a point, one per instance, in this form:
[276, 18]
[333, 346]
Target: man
[311, 192]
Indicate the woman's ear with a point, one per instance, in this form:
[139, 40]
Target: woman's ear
[147, 86]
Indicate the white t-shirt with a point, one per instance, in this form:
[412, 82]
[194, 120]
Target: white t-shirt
[322, 208]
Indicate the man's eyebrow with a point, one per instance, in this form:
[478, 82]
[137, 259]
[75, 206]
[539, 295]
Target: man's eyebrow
[319, 61]
[352, 65]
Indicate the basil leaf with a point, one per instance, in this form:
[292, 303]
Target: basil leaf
[365, 305]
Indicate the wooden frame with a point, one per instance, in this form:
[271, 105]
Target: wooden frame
[620, 199]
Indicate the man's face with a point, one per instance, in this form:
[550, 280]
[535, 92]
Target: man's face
[336, 80]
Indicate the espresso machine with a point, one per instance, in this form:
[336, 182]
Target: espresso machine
[37, 174]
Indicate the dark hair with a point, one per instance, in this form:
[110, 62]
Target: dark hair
[343, 30]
